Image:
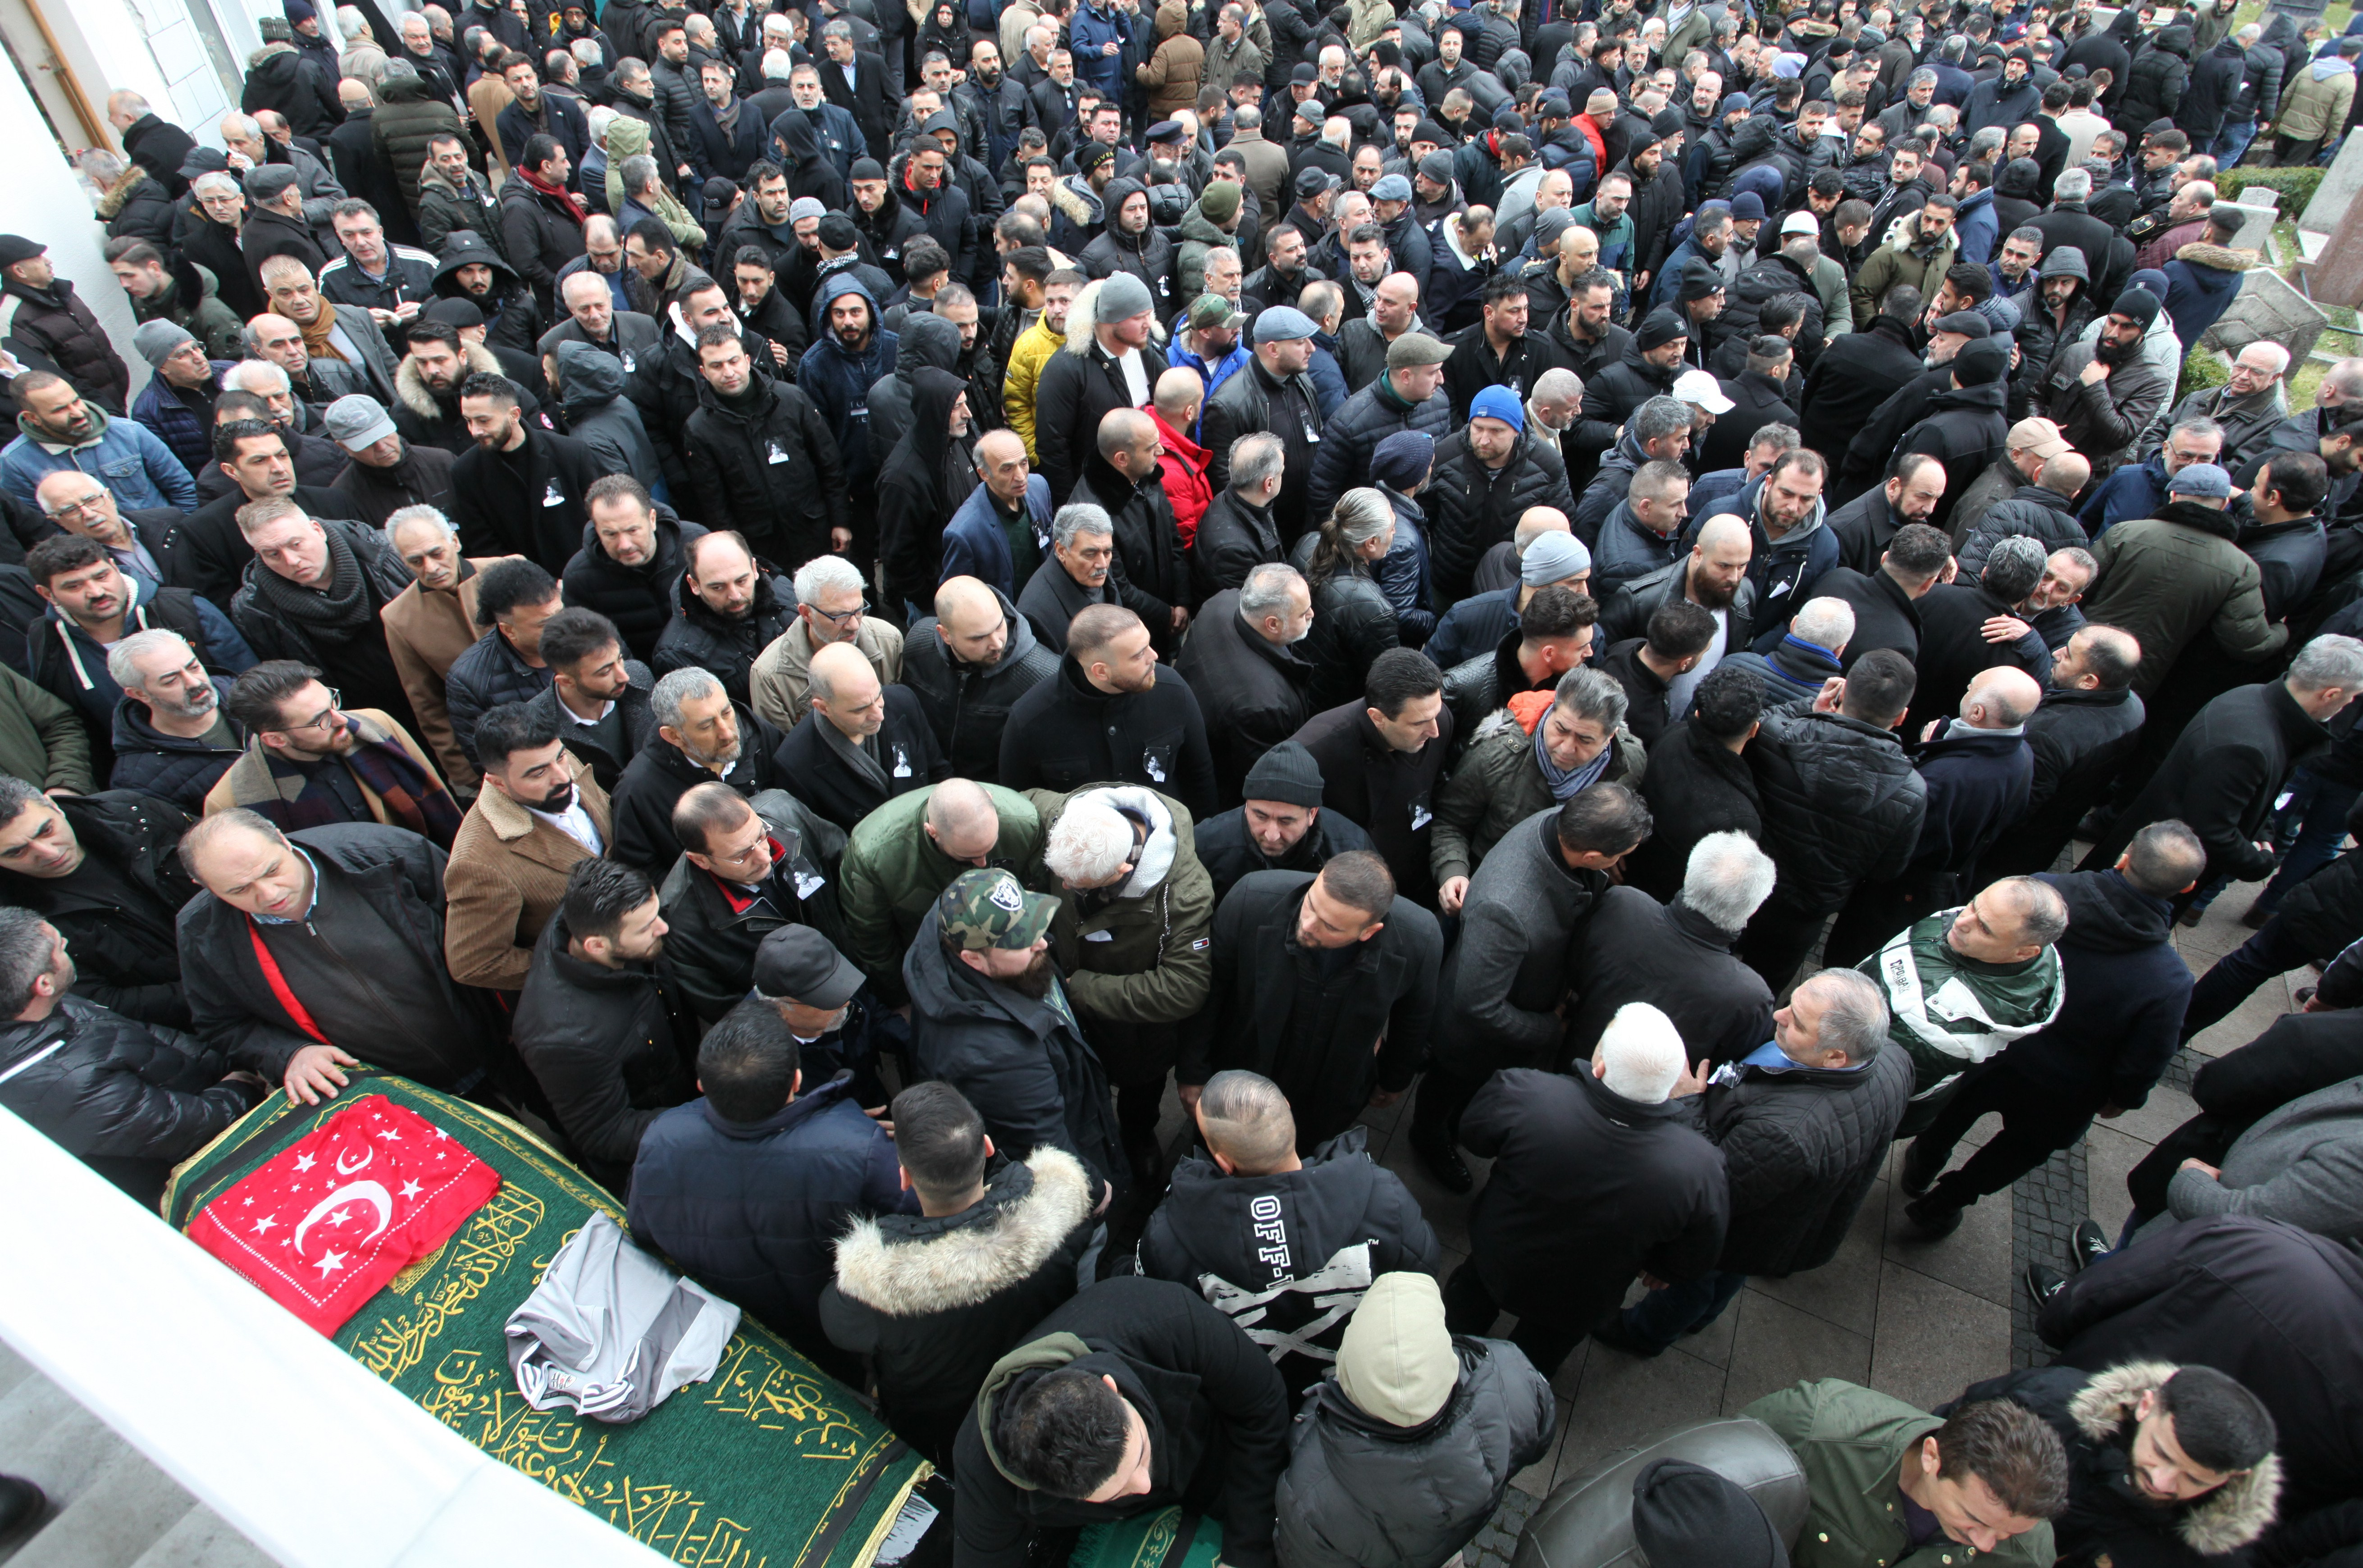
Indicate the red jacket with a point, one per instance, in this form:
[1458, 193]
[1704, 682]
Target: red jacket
[1186, 486]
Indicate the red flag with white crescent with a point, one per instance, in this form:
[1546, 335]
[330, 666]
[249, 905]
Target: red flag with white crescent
[322, 1226]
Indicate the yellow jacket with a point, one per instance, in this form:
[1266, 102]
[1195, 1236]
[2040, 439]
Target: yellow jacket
[1026, 357]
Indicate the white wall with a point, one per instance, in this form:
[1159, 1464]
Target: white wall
[45, 203]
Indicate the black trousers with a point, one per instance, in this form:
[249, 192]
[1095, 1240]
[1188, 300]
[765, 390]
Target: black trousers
[2038, 1121]
[1470, 1309]
[2231, 979]
[1444, 1093]
[1778, 939]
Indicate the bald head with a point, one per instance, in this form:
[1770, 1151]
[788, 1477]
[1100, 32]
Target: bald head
[841, 672]
[1122, 429]
[1247, 1124]
[1534, 522]
[1999, 698]
[2067, 474]
[1178, 394]
[970, 621]
[999, 445]
[963, 821]
[353, 93]
[1721, 531]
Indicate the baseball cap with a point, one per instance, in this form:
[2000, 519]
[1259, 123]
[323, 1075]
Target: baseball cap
[1700, 390]
[985, 909]
[1312, 181]
[796, 963]
[1801, 222]
[453, 311]
[2038, 436]
[2202, 479]
[356, 422]
[1214, 310]
[1417, 348]
[204, 161]
[15, 248]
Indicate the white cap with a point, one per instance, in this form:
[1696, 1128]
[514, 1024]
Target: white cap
[1801, 222]
[1700, 390]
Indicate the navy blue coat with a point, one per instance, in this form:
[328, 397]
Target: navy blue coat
[752, 1210]
[2126, 990]
[1978, 783]
[839, 379]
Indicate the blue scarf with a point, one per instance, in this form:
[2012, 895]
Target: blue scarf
[1566, 783]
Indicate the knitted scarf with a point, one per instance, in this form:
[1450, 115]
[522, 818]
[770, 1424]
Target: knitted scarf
[335, 614]
[407, 793]
[573, 203]
[317, 342]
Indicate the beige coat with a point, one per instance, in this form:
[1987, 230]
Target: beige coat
[505, 880]
[425, 632]
[777, 684]
[1171, 74]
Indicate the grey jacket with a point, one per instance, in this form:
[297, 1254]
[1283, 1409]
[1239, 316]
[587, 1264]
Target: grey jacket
[1504, 979]
[2302, 1166]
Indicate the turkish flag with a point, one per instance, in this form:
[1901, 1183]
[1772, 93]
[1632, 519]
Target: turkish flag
[325, 1223]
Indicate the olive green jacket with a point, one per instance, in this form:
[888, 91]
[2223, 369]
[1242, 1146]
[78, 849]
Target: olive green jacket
[1145, 955]
[41, 739]
[1497, 784]
[1851, 1442]
[893, 873]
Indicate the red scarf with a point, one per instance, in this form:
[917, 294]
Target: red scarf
[573, 203]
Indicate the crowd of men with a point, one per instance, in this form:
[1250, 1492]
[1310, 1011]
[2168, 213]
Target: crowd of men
[833, 603]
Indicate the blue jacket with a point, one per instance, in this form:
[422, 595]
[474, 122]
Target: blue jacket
[127, 457]
[1990, 103]
[753, 1210]
[1087, 29]
[1476, 625]
[189, 436]
[838, 381]
[2197, 296]
[1978, 227]
[1210, 376]
[1977, 785]
[975, 545]
[2136, 490]
[1328, 376]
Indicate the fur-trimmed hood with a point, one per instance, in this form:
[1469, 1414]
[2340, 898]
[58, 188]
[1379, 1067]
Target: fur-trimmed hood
[411, 387]
[2222, 1521]
[1027, 1214]
[130, 180]
[1083, 320]
[2225, 257]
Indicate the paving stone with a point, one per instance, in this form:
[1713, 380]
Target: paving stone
[1934, 1339]
[2168, 1108]
[1448, 1212]
[1976, 1258]
[2113, 1156]
[1620, 1401]
[1776, 1345]
[2252, 1018]
[113, 1520]
[1846, 1289]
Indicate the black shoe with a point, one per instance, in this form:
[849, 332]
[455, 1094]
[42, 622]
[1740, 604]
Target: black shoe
[2191, 917]
[21, 1505]
[1933, 1223]
[1442, 1160]
[2089, 1245]
[2255, 915]
[2043, 1284]
[1612, 1333]
[1916, 1177]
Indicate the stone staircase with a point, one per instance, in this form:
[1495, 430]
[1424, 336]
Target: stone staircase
[109, 1508]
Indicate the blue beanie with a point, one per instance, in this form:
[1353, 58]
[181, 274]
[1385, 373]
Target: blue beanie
[1500, 403]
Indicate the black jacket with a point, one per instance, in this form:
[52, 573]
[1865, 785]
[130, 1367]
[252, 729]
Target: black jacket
[1470, 507]
[639, 727]
[149, 762]
[1977, 786]
[1233, 539]
[1147, 539]
[1863, 527]
[1386, 998]
[1505, 977]
[2044, 516]
[489, 673]
[968, 705]
[1391, 794]
[2266, 1302]
[1589, 1189]
[1066, 733]
[1965, 429]
[1884, 615]
[1695, 785]
[1757, 401]
[1354, 432]
[125, 948]
[700, 636]
[2124, 988]
[1801, 1150]
[769, 468]
[1024, 1064]
[713, 932]
[934, 1302]
[1248, 401]
[2220, 778]
[1251, 696]
[612, 1047]
[660, 774]
[1841, 805]
[1206, 1391]
[1855, 374]
[812, 769]
[2155, 84]
[1634, 949]
[1953, 651]
[1283, 1250]
[538, 234]
[527, 502]
[1229, 852]
[1074, 393]
[638, 599]
[2079, 739]
[1618, 390]
[130, 1100]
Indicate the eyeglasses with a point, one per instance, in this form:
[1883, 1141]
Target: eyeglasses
[88, 504]
[325, 721]
[842, 617]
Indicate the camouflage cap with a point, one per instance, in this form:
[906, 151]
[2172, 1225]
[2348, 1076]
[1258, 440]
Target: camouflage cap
[985, 909]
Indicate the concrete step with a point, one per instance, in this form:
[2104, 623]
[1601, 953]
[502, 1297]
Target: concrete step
[109, 1506]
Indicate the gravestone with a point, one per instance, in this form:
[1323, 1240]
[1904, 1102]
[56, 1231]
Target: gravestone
[2341, 184]
[2255, 224]
[2267, 306]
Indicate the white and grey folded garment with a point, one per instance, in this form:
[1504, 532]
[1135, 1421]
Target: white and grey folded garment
[611, 1331]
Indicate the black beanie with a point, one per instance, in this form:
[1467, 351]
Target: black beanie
[1660, 327]
[1985, 361]
[1286, 772]
[866, 169]
[1685, 1516]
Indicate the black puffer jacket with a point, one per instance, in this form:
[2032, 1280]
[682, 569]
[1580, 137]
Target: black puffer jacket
[1233, 539]
[149, 762]
[611, 1047]
[1251, 694]
[1148, 255]
[1066, 733]
[1364, 1492]
[1354, 432]
[699, 637]
[54, 324]
[638, 599]
[272, 635]
[659, 773]
[129, 1100]
[1229, 852]
[1964, 430]
[1758, 285]
[2154, 85]
[1611, 397]
[489, 673]
[1695, 785]
[1353, 623]
[2044, 516]
[126, 954]
[968, 705]
[1841, 805]
[1470, 508]
[1801, 1150]
[1342, 1220]
[767, 466]
[1150, 558]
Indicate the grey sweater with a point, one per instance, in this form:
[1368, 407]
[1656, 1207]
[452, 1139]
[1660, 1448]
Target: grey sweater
[2302, 1165]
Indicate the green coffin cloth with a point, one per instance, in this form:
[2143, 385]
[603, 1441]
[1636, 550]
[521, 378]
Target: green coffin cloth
[771, 1463]
[1152, 1540]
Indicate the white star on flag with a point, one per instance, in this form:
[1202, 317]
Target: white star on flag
[304, 1162]
[342, 1217]
[329, 1262]
[265, 1223]
[411, 1189]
